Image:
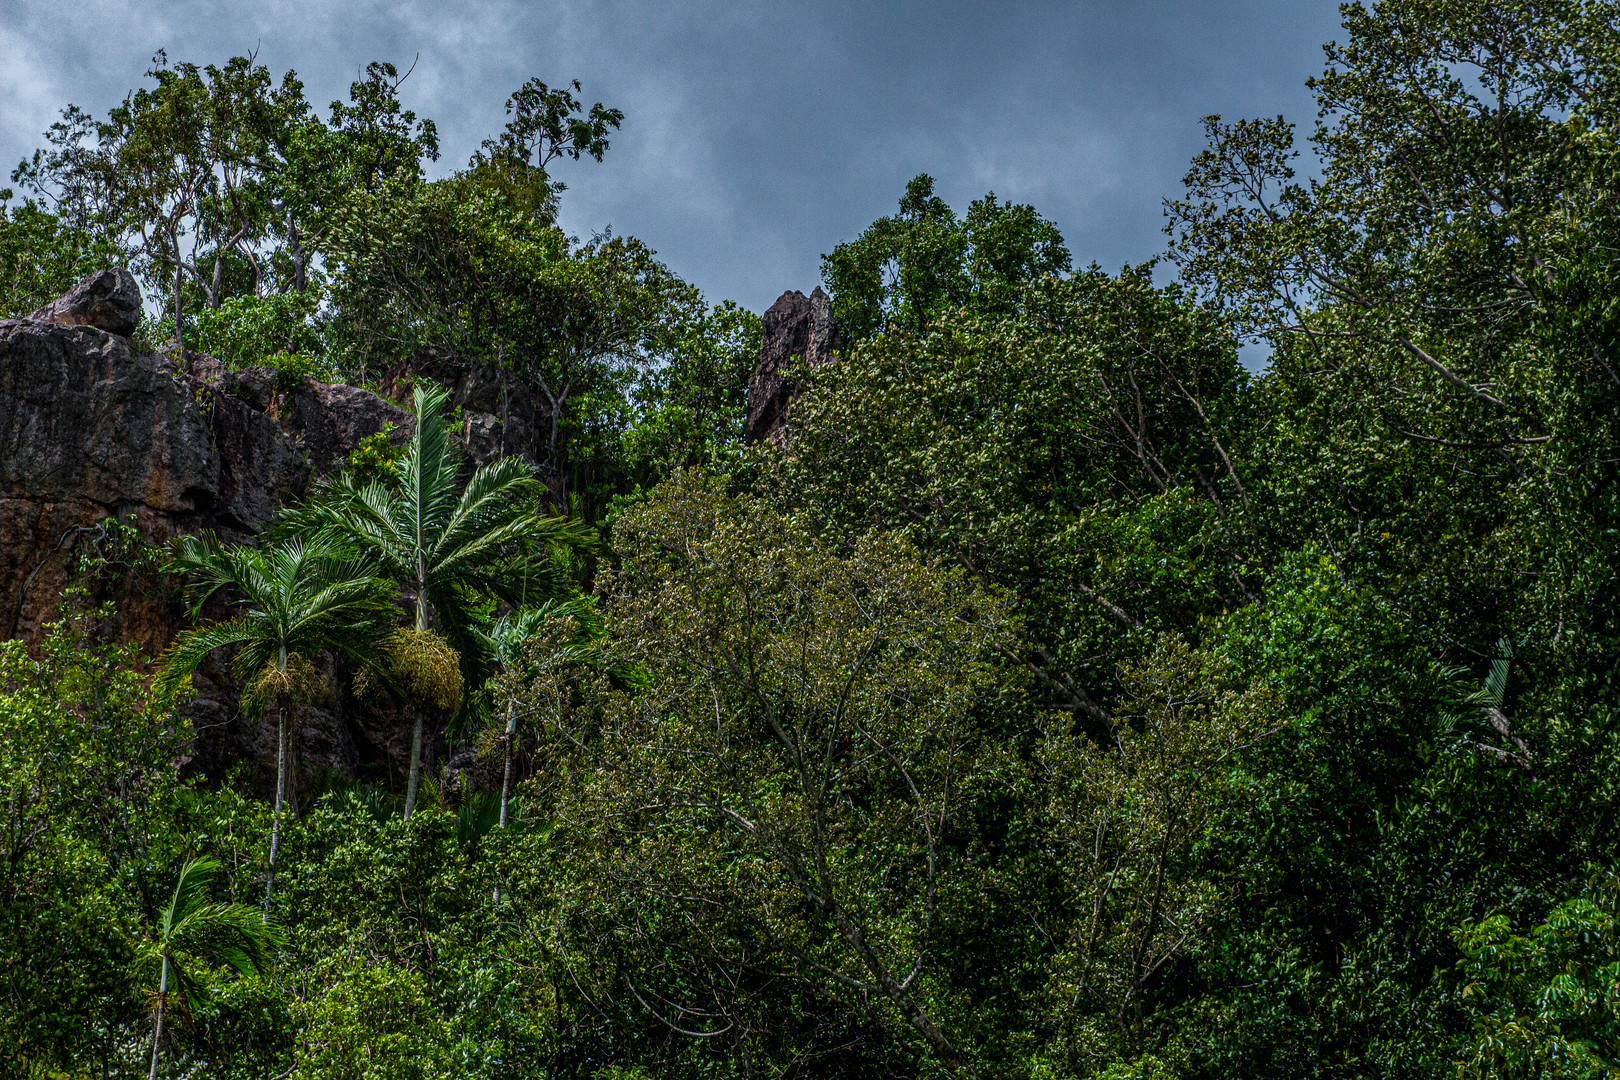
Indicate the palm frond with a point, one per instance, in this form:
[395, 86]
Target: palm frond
[427, 492]
[499, 492]
[365, 518]
[190, 649]
[333, 605]
[508, 639]
[208, 565]
[518, 579]
[200, 560]
[299, 597]
[1496, 681]
[477, 816]
[190, 893]
[483, 546]
[237, 935]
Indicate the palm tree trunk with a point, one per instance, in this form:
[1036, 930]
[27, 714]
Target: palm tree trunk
[416, 765]
[506, 783]
[415, 777]
[281, 794]
[506, 776]
[291, 719]
[157, 1035]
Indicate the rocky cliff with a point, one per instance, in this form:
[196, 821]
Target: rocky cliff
[111, 451]
[797, 327]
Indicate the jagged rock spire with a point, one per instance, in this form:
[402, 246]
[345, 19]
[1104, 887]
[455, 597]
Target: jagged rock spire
[796, 327]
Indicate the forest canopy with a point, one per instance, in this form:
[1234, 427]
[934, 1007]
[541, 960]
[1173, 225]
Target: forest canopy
[1054, 699]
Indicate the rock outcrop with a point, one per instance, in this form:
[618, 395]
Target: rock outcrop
[102, 447]
[501, 416]
[90, 429]
[108, 300]
[796, 327]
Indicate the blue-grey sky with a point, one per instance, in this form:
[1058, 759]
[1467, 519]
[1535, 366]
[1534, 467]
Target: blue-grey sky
[757, 135]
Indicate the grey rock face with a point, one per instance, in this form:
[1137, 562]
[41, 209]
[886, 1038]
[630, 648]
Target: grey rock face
[108, 300]
[796, 327]
[93, 433]
[502, 416]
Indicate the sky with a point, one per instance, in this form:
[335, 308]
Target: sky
[757, 135]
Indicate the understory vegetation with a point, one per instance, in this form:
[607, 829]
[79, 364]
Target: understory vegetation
[1059, 700]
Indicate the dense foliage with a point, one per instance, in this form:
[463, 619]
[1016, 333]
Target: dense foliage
[1059, 700]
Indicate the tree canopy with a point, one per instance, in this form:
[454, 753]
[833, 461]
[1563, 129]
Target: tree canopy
[1057, 700]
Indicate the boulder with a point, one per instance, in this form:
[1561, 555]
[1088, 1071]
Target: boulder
[108, 300]
[795, 328]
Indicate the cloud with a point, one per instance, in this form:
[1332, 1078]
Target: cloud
[757, 136]
[28, 94]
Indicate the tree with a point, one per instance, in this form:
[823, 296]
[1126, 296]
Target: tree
[218, 180]
[371, 144]
[193, 928]
[522, 643]
[775, 789]
[583, 329]
[88, 764]
[376, 1021]
[476, 267]
[547, 124]
[177, 170]
[1440, 418]
[1082, 456]
[297, 600]
[1545, 1002]
[1425, 282]
[1130, 815]
[691, 407]
[451, 547]
[42, 256]
[906, 269]
[433, 264]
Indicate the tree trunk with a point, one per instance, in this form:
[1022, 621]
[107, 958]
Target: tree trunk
[506, 783]
[295, 241]
[179, 335]
[416, 765]
[506, 775]
[291, 720]
[157, 1035]
[281, 794]
[415, 777]
[211, 293]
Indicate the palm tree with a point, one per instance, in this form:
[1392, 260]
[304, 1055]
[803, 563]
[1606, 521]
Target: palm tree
[508, 641]
[449, 546]
[296, 600]
[192, 928]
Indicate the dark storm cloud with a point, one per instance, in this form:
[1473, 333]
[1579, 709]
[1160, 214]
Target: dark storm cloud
[757, 135]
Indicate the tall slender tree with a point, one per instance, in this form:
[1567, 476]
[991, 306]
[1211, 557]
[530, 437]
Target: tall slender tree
[509, 642]
[451, 546]
[296, 599]
[192, 928]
